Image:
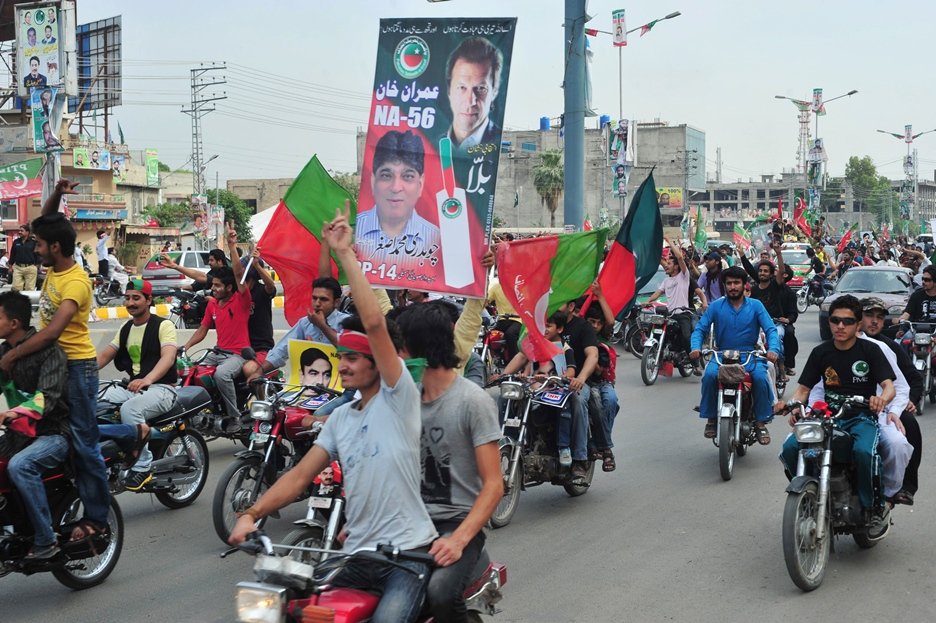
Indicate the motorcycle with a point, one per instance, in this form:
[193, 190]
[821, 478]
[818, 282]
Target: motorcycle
[735, 423]
[323, 521]
[188, 308]
[657, 352]
[492, 348]
[813, 293]
[291, 591]
[822, 498]
[212, 420]
[180, 454]
[528, 452]
[80, 564]
[919, 342]
[106, 290]
[276, 443]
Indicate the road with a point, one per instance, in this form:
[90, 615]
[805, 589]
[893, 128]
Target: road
[661, 539]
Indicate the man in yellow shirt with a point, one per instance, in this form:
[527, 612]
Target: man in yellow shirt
[64, 306]
[508, 319]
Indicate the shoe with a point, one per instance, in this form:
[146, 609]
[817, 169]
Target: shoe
[710, 429]
[579, 471]
[43, 552]
[137, 480]
[697, 370]
[790, 372]
[565, 457]
[763, 435]
[901, 497]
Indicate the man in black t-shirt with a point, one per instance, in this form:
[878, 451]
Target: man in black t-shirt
[922, 304]
[847, 367]
[262, 290]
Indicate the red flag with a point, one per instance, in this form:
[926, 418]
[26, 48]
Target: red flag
[591, 32]
[798, 216]
[586, 226]
[844, 241]
[780, 210]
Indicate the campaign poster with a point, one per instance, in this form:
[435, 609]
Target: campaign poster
[81, 158]
[119, 168]
[426, 206]
[313, 363]
[669, 197]
[21, 179]
[152, 167]
[619, 27]
[621, 175]
[199, 206]
[91, 158]
[46, 116]
[39, 60]
[215, 222]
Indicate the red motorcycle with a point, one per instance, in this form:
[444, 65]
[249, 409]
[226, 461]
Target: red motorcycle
[492, 348]
[79, 565]
[277, 442]
[295, 592]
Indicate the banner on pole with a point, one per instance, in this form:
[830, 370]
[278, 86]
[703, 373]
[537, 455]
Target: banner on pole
[426, 206]
[619, 27]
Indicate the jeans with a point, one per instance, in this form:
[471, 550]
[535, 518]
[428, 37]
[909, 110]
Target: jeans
[605, 400]
[124, 435]
[227, 368]
[26, 469]
[864, 431]
[91, 475]
[760, 387]
[572, 431]
[446, 590]
[781, 332]
[137, 408]
[402, 592]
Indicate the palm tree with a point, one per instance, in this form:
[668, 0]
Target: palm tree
[548, 179]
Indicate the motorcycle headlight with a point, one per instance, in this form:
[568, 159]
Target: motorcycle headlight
[896, 310]
[809, 432]
[260, 603]
[511, 391]
[261, 410]
[922, 339]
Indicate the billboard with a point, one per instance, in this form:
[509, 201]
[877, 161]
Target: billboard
[91, 157]
[669, 197]
[152, 167]
[22, 179]
[46, 110]
[119, 167]
[426, 205]
[39, 57]
[100, 61]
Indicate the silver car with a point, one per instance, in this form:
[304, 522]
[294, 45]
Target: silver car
[164, 278]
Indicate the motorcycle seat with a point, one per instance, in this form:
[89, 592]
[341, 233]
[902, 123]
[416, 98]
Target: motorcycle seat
[189, 399]
[481, 566]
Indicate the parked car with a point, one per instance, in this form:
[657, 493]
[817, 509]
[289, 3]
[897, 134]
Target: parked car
[164, 278]
[891, 284]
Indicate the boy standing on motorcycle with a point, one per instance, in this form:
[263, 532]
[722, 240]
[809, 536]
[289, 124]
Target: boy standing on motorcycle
[848, 366]
[145, 349]
[676, 289]
[738, 322]
[376, 440]
[461, 475]
[35, 427]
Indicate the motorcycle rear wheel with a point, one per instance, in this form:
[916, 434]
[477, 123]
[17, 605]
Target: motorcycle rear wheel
[806, 560]
[508, 505]
[576, 490]
[726, 446]
[635, 340]
[239, 487]
[802, 299]
[88, 572]
[189, 443]
[649, 370]
[306, 537]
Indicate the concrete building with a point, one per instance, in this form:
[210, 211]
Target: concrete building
[260, 194]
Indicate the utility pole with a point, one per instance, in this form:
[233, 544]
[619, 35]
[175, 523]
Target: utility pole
[202, 78]
[718, 164]
[574, 90]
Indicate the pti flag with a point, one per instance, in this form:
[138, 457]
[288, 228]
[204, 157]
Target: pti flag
[635, 253]
[798, 219]
[846, 238]
[742, 239]
[432, 152]
[22, 179]
[538, 275]
[701, 237]
[290, 242]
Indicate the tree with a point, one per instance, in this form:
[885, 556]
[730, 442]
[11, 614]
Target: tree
[235, 210]
[349, 181]
[549, 181]
[163, 167]
[862, 175]
[169, 214]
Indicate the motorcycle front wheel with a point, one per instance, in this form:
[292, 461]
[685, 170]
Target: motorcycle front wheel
[508, 505]
[306, 537]
[239, 487]
[84, 573]
[726, 446]
[806, 557]
[649, 370]
[192, 478]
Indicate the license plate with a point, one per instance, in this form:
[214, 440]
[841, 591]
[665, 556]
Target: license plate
[318, 502]
[729, 392]
[512, 421]
[315, 402]
[259, 437]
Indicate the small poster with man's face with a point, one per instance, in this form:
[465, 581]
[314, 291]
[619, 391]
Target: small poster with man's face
[311, 364]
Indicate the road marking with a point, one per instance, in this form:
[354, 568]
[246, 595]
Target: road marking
[163, 309]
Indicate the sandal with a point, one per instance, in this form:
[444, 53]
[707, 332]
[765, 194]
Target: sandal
[143, 436]
[710, 429]
[85, 530]
[902, 497]
[595, 455]
[607, 461]
[763, 435]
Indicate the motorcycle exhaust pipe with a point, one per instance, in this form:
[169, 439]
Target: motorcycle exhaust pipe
[202, 422]
[227, 425]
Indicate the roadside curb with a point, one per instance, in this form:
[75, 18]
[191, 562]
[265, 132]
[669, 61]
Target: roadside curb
[163, 309]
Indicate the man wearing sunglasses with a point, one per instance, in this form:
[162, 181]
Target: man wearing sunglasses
[921, 307]
[847, 367]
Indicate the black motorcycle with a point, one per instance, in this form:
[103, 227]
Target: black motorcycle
[822, 497]
[188, 308]
[660, 349]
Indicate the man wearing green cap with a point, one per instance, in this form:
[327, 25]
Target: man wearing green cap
[145, 349]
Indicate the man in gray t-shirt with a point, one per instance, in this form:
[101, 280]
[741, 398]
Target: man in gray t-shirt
[376, 439]
[461, 479]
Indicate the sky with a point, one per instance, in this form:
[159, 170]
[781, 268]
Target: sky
[300, 74]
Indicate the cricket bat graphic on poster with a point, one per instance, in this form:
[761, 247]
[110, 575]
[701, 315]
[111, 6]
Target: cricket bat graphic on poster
[453, 224]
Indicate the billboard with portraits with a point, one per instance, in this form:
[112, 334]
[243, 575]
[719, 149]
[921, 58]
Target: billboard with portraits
[39, 58]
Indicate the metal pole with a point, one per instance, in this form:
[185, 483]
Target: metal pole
[574, 89]
[620, 85]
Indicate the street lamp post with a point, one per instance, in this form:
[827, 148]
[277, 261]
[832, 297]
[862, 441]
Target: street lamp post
[908, 190]
[621, 62]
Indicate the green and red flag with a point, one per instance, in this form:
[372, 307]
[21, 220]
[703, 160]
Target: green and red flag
[647, 27]
[846, 237]
[798, 217]
[742, 239]
[538, 275]
[21, 179]
[290, 242]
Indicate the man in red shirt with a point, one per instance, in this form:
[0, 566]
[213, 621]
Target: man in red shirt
[228, 313]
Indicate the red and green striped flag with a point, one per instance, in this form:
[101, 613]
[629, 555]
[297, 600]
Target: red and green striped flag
[742, 239]
[290, 242]
[647, 27]
[845, 238]
[21, 179]
[538, 275]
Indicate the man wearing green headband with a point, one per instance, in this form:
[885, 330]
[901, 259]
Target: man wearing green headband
[145, 349]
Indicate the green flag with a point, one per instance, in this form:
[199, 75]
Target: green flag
[700, 236]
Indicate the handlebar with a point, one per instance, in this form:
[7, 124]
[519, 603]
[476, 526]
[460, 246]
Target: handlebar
[849, 402]
[717, 355]
[548, 380]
